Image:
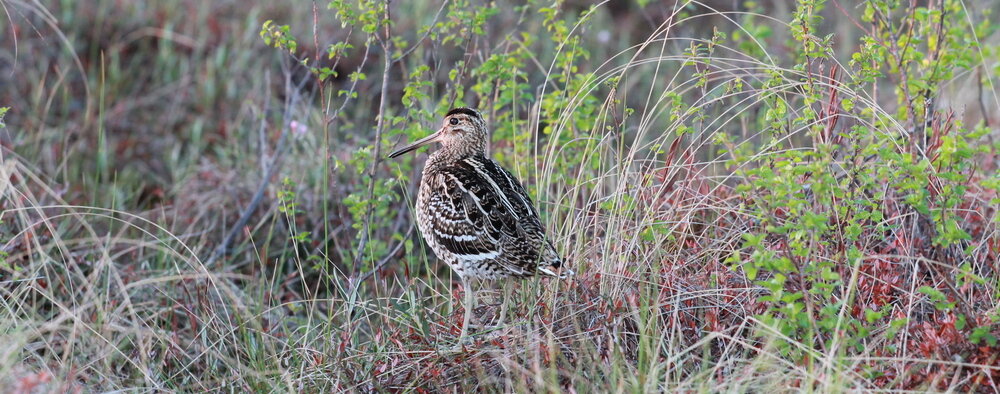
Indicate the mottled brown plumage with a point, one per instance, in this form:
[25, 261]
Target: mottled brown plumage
[473, 213]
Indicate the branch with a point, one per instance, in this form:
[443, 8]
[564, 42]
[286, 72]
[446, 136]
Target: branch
[426, 33]
[279, 150]
[385, 43]
[385, 260]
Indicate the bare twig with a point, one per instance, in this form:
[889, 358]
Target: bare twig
[290, 100]
[979, 96]
[386, 43]
[426, 33]
[385, 260]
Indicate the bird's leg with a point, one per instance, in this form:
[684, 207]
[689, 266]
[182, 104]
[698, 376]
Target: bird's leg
[503, 304]
[469, 299]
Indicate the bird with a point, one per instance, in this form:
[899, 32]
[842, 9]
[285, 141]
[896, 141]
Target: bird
[473, 213]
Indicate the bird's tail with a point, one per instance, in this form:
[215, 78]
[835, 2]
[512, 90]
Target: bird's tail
[552, 264]
[561, 273]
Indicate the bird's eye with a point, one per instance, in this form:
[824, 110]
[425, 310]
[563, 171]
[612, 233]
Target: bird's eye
[453, 121]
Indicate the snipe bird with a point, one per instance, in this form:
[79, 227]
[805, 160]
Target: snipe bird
[473, 213]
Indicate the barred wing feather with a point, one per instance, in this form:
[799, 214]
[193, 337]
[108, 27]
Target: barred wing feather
[479, 211]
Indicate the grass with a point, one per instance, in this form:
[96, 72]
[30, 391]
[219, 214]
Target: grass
[749, 205]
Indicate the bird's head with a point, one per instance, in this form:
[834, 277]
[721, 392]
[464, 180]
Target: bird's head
[462, 133]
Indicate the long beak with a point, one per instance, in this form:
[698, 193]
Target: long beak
[421, 142]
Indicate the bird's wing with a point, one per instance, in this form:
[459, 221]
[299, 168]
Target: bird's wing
[529, 225]
[508, 192]
[466, 221]
[479, 211]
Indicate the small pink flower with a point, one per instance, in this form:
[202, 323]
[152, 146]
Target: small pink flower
[298, 129]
